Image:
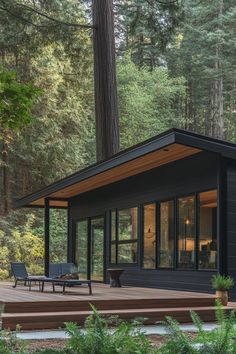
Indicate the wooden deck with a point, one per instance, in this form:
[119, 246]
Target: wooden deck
[36, 310]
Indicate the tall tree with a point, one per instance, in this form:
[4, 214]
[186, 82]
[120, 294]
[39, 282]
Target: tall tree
[204, 53]
[145, 28]
[106, 105]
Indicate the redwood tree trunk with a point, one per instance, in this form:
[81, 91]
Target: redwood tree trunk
[106, 108]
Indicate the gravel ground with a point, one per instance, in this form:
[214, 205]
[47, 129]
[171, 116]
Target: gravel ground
[46, 344]
[156, 340]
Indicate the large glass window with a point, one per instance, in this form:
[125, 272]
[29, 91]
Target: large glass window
[82, 248]
[149, 236]
[186, 232]
[208, 232]
[124, 235]
[182, 234]
[97, 247]
[167, 234]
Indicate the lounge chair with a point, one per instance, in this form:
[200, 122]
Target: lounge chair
[20, 274]
[56, 270]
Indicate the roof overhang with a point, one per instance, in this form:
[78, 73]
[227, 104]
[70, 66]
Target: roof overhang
[166, 148]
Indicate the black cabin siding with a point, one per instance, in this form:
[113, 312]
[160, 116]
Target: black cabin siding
[183, 177]
[230, 229]
[168, 279]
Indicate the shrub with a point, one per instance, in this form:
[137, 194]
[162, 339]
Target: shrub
[221, 340]
[221, 282]
[9, 344]
[126, 338]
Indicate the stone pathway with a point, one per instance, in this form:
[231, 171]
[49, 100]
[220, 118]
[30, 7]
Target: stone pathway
[61, 334]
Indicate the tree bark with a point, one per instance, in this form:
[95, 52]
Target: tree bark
[106, 106]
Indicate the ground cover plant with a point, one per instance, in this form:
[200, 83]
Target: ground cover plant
[221, 340]
[128, 338]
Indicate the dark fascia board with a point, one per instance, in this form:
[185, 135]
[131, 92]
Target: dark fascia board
[203, 142]
[122, 157]
[171, 136]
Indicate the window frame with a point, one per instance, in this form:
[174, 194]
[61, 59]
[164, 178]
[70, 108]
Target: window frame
[198, 240]
[159, 233]
[177, 231]
[140, 234]
[89, 243]
[118, 242]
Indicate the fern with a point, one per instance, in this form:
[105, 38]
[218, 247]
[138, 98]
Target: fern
[221, 340]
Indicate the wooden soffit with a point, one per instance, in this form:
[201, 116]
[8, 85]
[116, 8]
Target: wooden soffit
[170, 153]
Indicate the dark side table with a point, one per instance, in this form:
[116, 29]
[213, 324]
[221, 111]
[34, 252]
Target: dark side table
[115, 274]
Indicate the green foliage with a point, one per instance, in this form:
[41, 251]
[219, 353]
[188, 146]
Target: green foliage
[126, 338]
[146, 101]
[221, 340]
[204, 53]
[146, 28]
[15, 243]
[9, 344]
[16, 101]
[221, 282]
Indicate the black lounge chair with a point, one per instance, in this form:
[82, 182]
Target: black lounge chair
[56, 270]
[56, 273]
[20, 274]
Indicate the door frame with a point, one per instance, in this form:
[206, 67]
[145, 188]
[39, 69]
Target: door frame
[89, 244]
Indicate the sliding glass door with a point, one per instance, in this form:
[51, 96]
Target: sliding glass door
[97, 249]
[82, 248]
[90, 248]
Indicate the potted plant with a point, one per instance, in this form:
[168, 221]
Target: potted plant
[222, 284]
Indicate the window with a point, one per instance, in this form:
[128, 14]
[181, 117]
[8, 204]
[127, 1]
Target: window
[89, 248]
[207, 230]
[149, 236]
[186, 232]
[82, 248]
[167, 234]
[180, 233]
[97, 246]
[124, 235]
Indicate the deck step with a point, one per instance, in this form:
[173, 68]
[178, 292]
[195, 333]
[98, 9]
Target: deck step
[54, 320]
[118, 304]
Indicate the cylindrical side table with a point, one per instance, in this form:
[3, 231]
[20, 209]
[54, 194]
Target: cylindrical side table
[115, 274]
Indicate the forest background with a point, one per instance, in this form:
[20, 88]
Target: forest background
[176, 67]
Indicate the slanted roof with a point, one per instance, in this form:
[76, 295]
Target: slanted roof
[173, 145]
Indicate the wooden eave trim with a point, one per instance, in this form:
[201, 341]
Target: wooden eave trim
[120, 159]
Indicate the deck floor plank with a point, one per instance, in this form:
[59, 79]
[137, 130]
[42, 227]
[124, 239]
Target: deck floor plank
[36, 310]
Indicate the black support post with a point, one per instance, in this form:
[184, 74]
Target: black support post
[46, 236]
[70, 245]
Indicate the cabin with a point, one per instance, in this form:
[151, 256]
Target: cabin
[164, 211]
